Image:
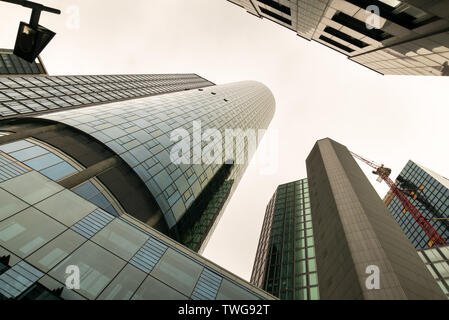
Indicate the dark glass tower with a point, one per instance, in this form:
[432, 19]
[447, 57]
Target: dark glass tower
[429, 193]
[285, 264]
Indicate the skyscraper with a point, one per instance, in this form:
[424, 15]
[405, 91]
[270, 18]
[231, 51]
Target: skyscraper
[429, 193]
[108, 140]
[285, 264]
[88, 155]
[406, 37]
[349, 236]
[31, 95]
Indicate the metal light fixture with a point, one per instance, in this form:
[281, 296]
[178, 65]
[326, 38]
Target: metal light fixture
[32, 38]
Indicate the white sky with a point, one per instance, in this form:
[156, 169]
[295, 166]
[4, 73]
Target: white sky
[319, 93]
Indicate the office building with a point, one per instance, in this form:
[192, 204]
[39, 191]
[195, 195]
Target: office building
[285, 264]
[12, 65]
[437, 261]
[98, 148]
[429, 193]
[31, 95]
[126, 146]
[349, 234]
[391, 37]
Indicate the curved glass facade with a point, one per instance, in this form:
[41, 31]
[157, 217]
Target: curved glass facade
[45, 228]
[139, 131]
[31, 154]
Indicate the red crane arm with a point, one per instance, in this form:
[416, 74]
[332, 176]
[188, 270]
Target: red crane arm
[384, 173]
[431, 232]
[368, 162]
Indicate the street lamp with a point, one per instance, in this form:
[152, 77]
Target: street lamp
[32, 38]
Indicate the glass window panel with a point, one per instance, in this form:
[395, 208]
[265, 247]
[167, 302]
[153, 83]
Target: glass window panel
[86, 190]
[445, 251]
[9, 205]
[28, 153]
[66, 294]
[126, 283]
[97, 268]
[178, 271]
[314, 293]
[66, 207]
[312, 265]
[100, 201]
[44, 161]
[441, 284]
[230, 291]
[121, 239]
[24, 187]
[434, 255]
[152, 289]
[313, 279]
[442, 268]
[301, 281]
[27, 231]
[300, 267]
[14, 146]
[55, 251]
[59, 171]
[301, 294]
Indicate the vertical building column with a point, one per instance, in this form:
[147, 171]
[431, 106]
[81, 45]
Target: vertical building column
[355, 231]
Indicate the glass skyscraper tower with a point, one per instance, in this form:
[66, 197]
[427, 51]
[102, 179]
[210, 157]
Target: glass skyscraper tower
[429, 193]
[285, 264]
[87, 175]
[184, 201]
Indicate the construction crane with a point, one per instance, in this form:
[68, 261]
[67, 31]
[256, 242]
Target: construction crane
[383, 174]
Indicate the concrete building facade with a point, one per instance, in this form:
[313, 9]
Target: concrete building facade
[391, 37]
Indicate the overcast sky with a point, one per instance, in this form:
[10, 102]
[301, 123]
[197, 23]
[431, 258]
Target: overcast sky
[319, 93]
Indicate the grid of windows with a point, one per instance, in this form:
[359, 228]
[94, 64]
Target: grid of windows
[285, 261]
[39, 242]
[429, 193]
[140, 130]
[412, 37]
[25, 95]
[437, 261]
[301, 16]
[426, 56]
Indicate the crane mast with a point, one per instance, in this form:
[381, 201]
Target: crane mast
[383, 174]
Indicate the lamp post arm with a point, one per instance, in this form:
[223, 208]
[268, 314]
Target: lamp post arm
[33, 5]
